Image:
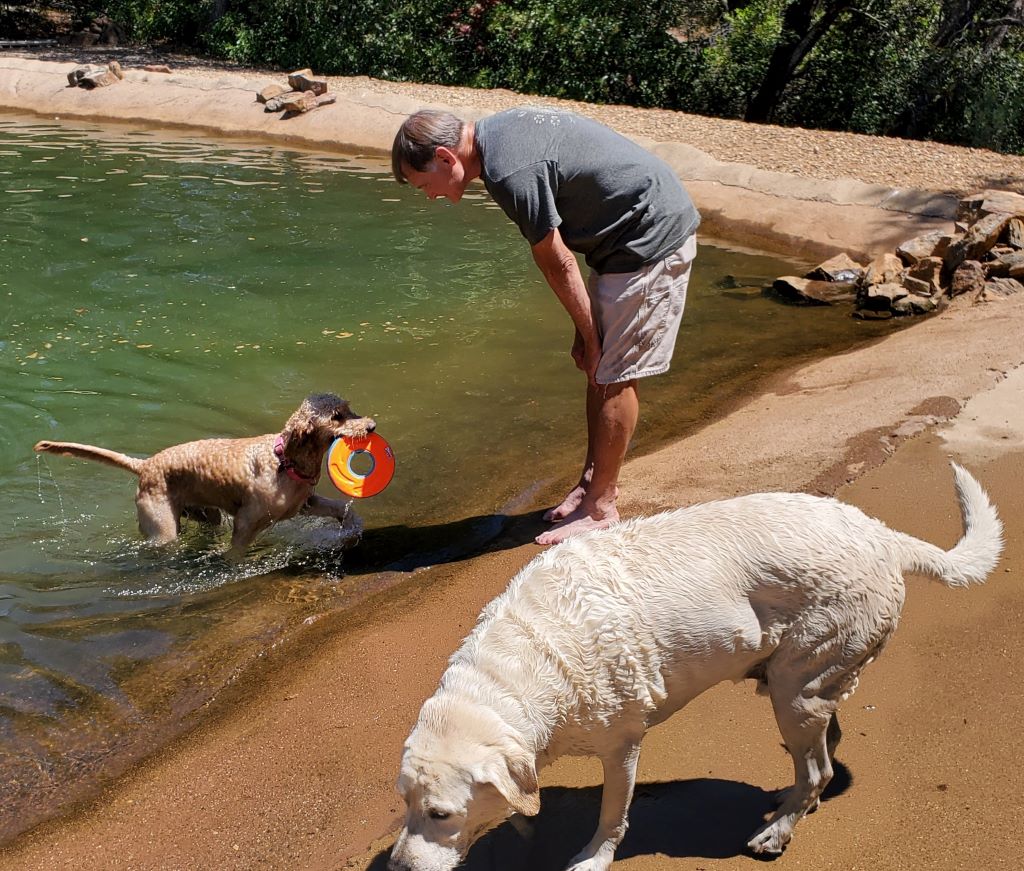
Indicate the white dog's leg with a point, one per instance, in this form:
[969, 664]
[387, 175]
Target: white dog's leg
[804, 724]
[616, 794]
[832, 739]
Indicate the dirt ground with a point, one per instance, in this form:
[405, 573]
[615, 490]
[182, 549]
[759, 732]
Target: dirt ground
[294, 768]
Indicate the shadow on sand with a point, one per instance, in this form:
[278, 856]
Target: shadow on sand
[705, 818]
[440, 543]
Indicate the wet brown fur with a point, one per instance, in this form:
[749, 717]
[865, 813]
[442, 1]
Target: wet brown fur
[241, 477]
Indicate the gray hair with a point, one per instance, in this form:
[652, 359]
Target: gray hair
[420, 136]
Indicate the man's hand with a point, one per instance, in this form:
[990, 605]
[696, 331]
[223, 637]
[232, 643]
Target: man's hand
[586, 357]
[562, 273]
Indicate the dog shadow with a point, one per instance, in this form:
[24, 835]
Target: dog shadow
[705, 818]
[401, 548]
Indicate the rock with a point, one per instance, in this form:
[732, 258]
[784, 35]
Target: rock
[969, 277]
[930, 270]
[913, 251]
[879, 297]
[914, 305]
[742, 282]
[91, 76]
[109, 33]
[921, 305]
[1009, 263]
[814, 292]
[884, 269]
[999, 288]
[303, 80]
[917, 287]
[978, 240]
[83, 39]
[75, 76]
[270, 91]
[303, 101]
[100, 79]
[1014, 233]
[974, 207]
[866, 314]
[157, 68]
[306, 101]
[842, 267]
[275, 104]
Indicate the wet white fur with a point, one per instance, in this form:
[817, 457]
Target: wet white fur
[610, 633]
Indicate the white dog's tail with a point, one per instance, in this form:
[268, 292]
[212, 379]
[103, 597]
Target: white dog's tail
[977, 552]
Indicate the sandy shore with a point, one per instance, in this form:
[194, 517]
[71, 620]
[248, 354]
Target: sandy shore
[294, 768]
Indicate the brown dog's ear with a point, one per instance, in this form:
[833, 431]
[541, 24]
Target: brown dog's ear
[300, 425]
[516, 780]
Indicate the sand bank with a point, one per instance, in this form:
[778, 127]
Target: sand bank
[294, 768]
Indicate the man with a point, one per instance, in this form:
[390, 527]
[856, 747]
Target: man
[573, 185]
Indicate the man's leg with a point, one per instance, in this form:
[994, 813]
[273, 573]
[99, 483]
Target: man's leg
[612, 412]
[572, 501]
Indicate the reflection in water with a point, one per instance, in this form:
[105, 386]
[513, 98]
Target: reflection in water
[158, 288]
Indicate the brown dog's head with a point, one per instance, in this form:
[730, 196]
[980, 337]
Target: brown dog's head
[321, 419]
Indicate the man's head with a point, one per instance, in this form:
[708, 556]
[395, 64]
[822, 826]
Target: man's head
[433, 151]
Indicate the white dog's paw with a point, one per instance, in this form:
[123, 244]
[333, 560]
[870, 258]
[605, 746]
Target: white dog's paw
[592, 864]
[771, 839]
[585, 861]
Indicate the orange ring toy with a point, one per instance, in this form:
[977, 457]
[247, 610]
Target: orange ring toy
[348, 480]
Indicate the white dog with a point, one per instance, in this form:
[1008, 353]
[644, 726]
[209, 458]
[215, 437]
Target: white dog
[612, 632]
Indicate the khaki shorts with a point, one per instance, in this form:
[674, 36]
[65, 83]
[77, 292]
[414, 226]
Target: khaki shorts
[638, 315]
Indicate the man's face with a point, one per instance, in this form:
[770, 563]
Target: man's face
[445, 176]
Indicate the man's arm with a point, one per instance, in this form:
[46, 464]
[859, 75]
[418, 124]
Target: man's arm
[562, 272]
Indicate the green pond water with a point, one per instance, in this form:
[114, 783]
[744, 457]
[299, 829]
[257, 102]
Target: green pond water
[158, 288]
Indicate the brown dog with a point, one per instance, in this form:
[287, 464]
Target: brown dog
[258, 481]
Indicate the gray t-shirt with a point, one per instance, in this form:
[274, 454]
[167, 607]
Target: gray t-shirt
[612, 201]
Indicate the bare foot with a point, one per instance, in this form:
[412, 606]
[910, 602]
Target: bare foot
[569, 504]
[575, 524]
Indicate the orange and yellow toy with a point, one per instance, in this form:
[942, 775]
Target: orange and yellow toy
[360, 484]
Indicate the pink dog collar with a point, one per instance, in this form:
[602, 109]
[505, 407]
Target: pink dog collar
[288, 467]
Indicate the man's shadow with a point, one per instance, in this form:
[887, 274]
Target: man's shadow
[706, 818]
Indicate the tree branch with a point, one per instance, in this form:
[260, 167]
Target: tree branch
[1002, 22]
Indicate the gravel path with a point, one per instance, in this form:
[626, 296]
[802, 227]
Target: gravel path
[898, 163]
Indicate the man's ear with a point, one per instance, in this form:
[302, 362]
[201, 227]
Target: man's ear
[445, 155]
[516, 780]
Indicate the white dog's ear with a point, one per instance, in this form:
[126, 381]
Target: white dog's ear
[516, 780]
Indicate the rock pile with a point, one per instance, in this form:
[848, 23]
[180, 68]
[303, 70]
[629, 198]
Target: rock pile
[983, 256]
[89, 76]
[304, 93]
[100, 31]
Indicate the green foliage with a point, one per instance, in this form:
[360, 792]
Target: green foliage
[927, 68]
[734, 65]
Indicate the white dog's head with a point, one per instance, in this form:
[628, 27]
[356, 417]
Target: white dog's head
[462, 773]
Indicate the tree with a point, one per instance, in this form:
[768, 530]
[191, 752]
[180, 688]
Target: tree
[968, 36]
[804, 23]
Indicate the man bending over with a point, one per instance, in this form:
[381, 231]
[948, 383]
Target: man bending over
[573, 185]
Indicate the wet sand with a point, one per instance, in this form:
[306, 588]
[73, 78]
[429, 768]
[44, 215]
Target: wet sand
[294, 767]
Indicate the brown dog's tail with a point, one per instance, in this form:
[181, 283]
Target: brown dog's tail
[88, 452]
